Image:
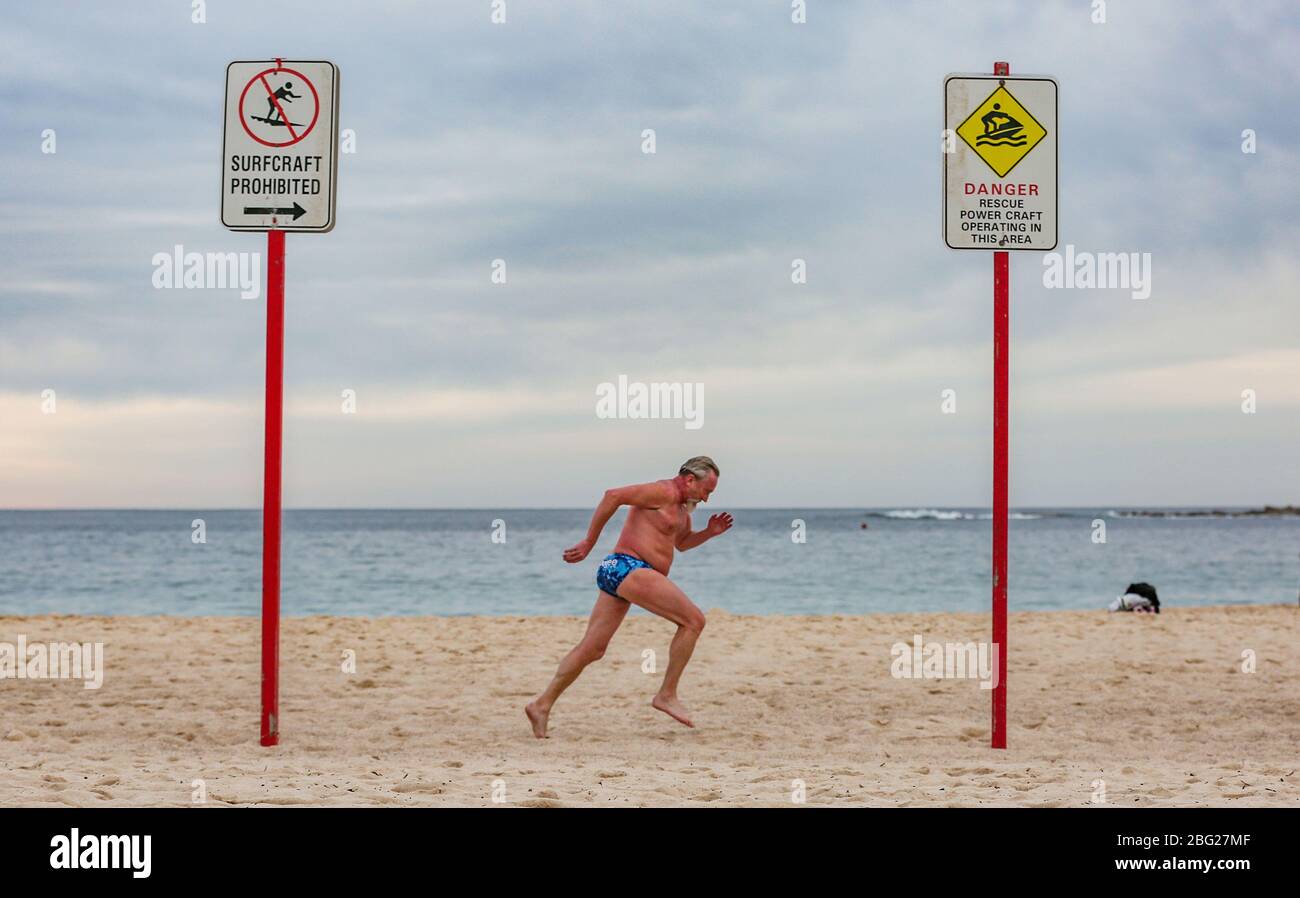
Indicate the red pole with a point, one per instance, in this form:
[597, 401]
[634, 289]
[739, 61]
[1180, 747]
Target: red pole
[271, 488]
[1001, 390]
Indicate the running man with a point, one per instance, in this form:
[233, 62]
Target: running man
[659, 520]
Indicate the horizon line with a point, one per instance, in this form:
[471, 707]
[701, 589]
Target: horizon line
[893, 506]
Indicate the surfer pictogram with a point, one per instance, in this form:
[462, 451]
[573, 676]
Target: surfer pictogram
[1000, 129]
[275, 111]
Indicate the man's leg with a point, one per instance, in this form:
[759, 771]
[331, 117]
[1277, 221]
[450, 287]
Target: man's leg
[656, 593]
[605, 618]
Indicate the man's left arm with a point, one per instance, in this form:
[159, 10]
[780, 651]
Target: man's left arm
[718, 524]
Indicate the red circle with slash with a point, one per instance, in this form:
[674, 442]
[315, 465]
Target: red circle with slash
[294, 135]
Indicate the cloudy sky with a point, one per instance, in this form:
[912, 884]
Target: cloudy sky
[775, 141]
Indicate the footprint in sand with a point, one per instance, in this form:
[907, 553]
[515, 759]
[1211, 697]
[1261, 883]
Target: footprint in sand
[427, 788]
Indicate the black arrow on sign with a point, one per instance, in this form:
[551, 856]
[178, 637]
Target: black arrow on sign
[296, 211]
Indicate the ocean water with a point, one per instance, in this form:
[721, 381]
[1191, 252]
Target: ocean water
[407, 562]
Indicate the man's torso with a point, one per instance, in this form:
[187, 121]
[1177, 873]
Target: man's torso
[651, 534]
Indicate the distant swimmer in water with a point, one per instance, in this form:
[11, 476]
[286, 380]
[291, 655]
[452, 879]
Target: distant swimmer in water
[658, 521]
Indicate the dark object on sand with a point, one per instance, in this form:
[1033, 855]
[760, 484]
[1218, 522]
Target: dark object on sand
[1137, 597]
[1146, 591]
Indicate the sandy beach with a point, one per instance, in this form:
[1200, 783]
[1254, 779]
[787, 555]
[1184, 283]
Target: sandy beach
[1145, 710]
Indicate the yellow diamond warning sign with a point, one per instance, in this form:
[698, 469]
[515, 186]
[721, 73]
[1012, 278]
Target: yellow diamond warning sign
[1001, 131]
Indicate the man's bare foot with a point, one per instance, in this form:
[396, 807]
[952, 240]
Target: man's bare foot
[537, 718]
[673, 708]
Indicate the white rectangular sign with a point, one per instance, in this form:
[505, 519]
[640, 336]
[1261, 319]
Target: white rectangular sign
[279, 163]
[999, 162]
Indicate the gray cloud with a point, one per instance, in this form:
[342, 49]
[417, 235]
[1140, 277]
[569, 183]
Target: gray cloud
[775, 141]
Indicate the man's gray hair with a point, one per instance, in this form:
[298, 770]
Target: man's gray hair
[699, 467]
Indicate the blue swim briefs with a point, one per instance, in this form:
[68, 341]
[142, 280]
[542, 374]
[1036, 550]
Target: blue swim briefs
[613, 569]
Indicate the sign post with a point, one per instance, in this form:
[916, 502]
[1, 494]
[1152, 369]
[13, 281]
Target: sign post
[1001, 513]
[995, 125]
[279, 173]
[271, 490]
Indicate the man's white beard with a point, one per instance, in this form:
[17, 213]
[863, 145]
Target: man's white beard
[690, 505]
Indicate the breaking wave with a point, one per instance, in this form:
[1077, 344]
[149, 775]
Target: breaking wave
[936, 514]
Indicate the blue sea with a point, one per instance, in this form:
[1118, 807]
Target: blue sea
[445, 562]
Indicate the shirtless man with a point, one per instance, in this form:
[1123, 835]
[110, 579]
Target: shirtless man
[658, 521]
